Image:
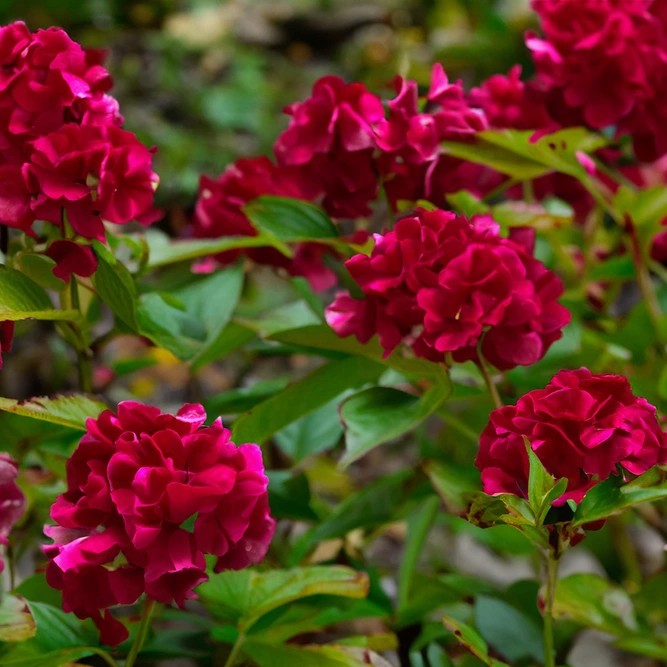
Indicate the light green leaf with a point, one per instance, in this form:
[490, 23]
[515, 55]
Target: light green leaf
[290, 219]
[22, 299]
[67, 410]
[115, 286]
[322, 337]
[40, 269]
[266, 655]
[540, 482]
[595, 602]
[304, 396]
[613, 496]
[244, 596]
[456, 483]
[233, 336]
[380, 414]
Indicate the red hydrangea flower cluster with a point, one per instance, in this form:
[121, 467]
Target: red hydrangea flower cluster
[603, 63]
[148, 495]
[60, 142]
[12, 500]
[441, 283]
[582, 427]
[412, 163]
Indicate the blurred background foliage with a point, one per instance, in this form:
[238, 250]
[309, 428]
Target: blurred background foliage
[205, 80]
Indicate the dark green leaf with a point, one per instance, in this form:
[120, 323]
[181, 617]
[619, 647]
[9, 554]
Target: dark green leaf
[304, 396]
[115, 286]
[21, 299]
[380, 414]
[290, 219]
[506, 629]
[57, 630]
[289, 496]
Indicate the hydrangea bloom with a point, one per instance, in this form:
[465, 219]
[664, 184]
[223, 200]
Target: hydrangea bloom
[93, 173]
[603, 63]
[219, 213]
[330, 139]
[582, 427]
[440, 282]
[12, 500]
[412, 163]
[161, 490]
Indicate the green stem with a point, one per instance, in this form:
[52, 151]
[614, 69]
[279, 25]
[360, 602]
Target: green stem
[552, 578]
[105, 656]
[234, 653]
[493, 391]
[83, 353]
[144, 626]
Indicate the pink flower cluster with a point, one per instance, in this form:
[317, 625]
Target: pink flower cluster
[603, 63]
[61, 148]
[442, 283]
[12, 500]
[339, 149]
[148, 495]
[582, 427]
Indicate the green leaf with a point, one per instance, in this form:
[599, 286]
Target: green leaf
[304, 396]
[380, 414]
[314, 433]
[455, 483]
[67, 410]
[419, 525]
[16, 623]
[322, 337]
[22, 299]
[241, 399]
[289, 496]
[498, 158]
[511, 633]
[540, 482]
[166, 326]
[270, 655]
[29, 654]
[212, 301]
[594, 602]
[290, 219]
[616, 268]
[36, 589]
[469, 637]
[57, 630]
[652, 647]
[612, 496]
[244, 596]
[163, 252]
[115, 286]
[40, 269]
[372, 506]
[232, 337]
[647, 206]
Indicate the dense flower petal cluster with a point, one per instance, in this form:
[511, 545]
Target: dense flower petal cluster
[12, 500]
[148, 495]
[219, 213]
[60, 142]
[442, 283]
[331, 140]
[582, 427]
[412, 163]
[92, 173]
[603, 63]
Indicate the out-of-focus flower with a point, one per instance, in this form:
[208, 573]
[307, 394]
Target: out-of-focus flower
[162, 490]
[582, 427]
[12, 500]
[441, 283]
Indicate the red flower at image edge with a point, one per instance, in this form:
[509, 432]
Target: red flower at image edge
[12, 500]
[582, 427]
[439, 282]
[135, 483]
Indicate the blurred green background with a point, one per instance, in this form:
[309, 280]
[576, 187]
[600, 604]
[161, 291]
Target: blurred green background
[205, 80]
